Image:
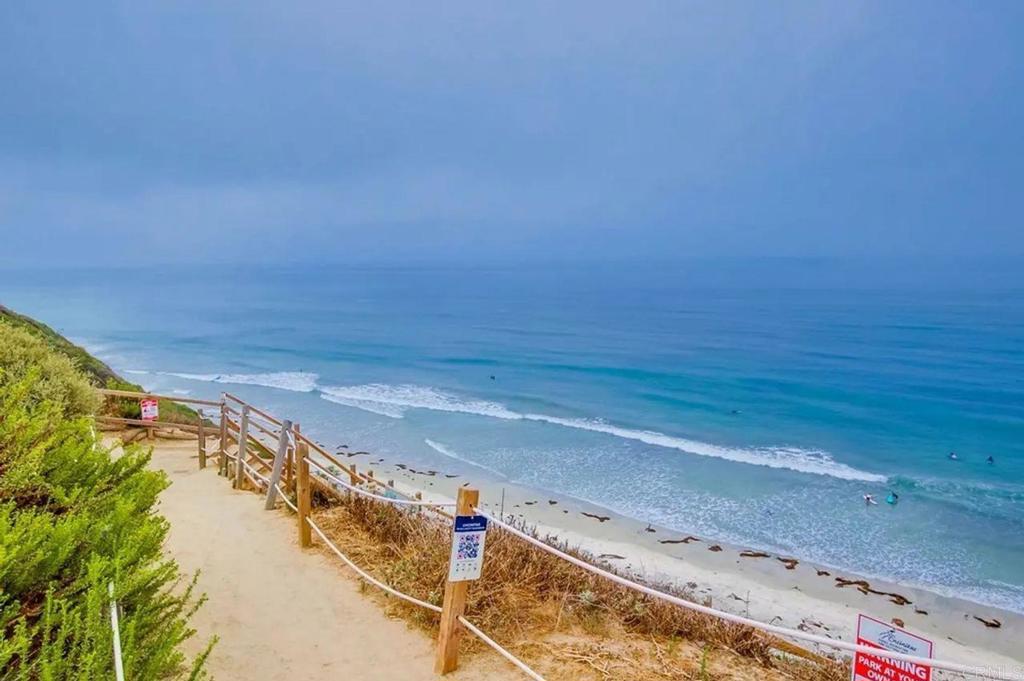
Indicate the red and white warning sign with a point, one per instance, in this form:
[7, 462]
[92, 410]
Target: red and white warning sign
[149, 408]
[877, 634]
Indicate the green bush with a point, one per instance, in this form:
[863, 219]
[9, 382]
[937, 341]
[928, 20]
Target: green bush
[28, 342]
[59, 381]
[73, 519]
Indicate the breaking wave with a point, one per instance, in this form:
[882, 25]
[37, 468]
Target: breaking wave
[452, 454]
[402, 397]
[295, 381]
[394, 400]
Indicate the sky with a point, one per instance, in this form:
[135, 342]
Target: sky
[203, 131]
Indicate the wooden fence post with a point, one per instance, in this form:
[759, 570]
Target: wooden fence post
[275, 474]
[243, 446]
[454, 599]
[202, 441]
[289, 462]
[353, 479]
[302, 493]
[222, 464]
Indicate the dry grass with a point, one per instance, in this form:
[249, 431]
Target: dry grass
[564, 621]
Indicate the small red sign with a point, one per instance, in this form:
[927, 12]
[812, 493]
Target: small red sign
[878, 634]
[149, 408]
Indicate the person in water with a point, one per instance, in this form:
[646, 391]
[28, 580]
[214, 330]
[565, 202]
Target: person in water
[953, 456]
[892, 499]
[990, 461]
[869, 500]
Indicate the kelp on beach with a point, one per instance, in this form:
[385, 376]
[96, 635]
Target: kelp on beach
[568, 623]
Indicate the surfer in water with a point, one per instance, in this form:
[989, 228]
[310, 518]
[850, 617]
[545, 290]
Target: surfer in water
[892, 499]
[990, 461]
[869, 500]
[953, 456]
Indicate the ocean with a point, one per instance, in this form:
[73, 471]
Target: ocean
[754, 402]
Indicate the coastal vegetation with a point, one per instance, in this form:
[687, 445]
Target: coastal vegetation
[567, 623]
[76, 520]
[96, 372]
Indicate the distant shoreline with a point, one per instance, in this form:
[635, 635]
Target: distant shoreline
[783, 590]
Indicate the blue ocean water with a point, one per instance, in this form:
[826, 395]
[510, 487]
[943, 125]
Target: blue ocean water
[749, 401]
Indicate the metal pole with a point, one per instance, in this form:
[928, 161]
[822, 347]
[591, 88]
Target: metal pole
[115, 626]
[275, 476]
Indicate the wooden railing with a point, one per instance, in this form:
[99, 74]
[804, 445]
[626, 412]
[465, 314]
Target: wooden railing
[287, 459]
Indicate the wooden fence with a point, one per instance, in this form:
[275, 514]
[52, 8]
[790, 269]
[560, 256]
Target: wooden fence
[276, 452]
[276, 459]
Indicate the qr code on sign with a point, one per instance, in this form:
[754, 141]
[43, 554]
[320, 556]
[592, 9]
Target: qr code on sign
[469, 546]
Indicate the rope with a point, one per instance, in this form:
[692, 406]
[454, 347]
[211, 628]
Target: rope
[366, 576]
[423, 604]
[359, 490]
[252, 470]
[983, 672]
[284, 497]
[501, 651]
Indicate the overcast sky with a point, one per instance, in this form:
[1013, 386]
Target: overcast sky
[326, 130]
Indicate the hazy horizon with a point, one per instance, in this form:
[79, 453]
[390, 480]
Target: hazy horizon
[186, 133]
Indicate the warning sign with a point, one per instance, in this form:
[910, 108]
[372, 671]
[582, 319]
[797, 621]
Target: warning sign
[149, 408]
[467, 559]
[877, 634]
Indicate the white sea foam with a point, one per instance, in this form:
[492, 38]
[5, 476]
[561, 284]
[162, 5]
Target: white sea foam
[296, 381]
[416, 397]
[791, 458]
[393, 400]
[381, 408]
[452, 454]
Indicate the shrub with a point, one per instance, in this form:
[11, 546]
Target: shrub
[74, 519]
[58, 381]
[26, 342]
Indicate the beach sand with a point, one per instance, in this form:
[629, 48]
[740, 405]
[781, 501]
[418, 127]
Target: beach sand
[782, 590]
[282, 613]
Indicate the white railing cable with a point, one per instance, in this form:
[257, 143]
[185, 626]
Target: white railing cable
[115, 626]
[983, 672]
[366, 576]
[501, 651]
[367, 493]
[423, 604]
[284, 498]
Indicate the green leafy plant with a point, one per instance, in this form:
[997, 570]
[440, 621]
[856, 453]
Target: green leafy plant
[74, 519]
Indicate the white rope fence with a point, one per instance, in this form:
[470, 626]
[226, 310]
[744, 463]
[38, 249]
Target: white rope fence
[378, 497]
[501, 651]
[284, 497]
[982, 672]
[412, 599]
[365, 575]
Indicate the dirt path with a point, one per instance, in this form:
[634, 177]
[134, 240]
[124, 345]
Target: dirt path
[282, 613]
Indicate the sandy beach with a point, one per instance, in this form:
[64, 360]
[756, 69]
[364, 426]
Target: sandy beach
[782, 590]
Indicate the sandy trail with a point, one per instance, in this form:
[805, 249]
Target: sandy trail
[281, 612]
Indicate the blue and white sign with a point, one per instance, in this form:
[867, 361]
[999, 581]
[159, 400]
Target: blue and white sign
[467, 559]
